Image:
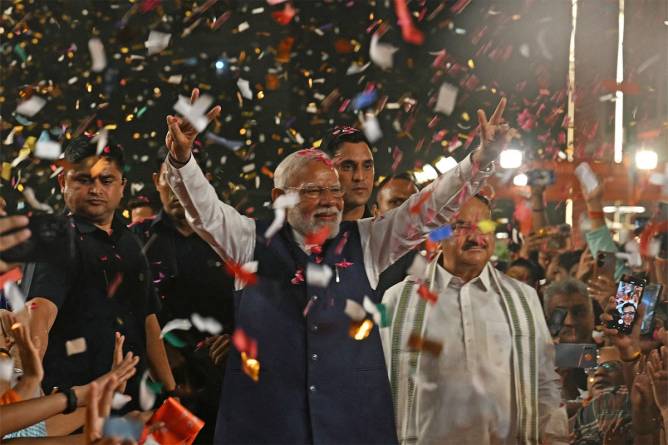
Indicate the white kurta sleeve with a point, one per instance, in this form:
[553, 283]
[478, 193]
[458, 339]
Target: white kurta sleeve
[387, 238]
[230, 234]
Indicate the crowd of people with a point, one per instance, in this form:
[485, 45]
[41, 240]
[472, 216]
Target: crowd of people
[350, 317]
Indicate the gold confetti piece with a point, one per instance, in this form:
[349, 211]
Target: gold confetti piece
[360, 330]
[6, 171]
[487, 226]
[466, 116]
[251, 367]
[471, 63]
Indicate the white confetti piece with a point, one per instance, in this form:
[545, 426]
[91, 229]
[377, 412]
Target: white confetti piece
[76, 346]
[381, 54]
[49, 150]
[447, 97]
[418, 268]
[150, 440]
[31, 199]
[372, 310]
[119, 400]
[157, 42]
[276, 223]
[98, 58]
[227, 143]
[632, 259]
[194, 113]
[6, 369]
[371, 128]
[318, 275]
[146, 395]
[244, 88]
[180, 324]
[283, 202]
[206, 324]
[586, 177]
[175, 79]
[31, 106]
[101, 138]
[356, 68]
[286, 201]
[354, 310]
[243, 27]
[14, 295]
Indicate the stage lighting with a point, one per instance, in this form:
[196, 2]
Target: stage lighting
[521, 180]
[444, 164]
[646, 159]
[510, 158]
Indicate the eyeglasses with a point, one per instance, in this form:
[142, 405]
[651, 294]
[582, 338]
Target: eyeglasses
[315, 191]
[609, 366]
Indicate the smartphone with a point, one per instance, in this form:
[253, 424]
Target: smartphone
[649, 299]
[541, 176]
[556, 321]
[122, 428]
[586, 177]
[605, 264]
[575, 355]
[52, 238]
[627, 299]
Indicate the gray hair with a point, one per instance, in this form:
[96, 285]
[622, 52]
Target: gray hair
[294, 162]
[567, 286]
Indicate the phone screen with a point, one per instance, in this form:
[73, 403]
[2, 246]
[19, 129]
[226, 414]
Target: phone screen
[556, 321]
[649, 298]
[627, 299]
[605, 264]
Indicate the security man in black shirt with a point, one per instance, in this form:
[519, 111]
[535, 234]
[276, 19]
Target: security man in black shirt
[80, 302]
[190, 279]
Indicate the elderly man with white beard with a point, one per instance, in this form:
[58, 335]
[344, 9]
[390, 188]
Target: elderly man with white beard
[316, 383]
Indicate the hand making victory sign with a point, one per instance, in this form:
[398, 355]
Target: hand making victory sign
[494, 135]
[181, 134]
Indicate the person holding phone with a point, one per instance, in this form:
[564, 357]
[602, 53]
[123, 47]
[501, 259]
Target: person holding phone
[628, 314]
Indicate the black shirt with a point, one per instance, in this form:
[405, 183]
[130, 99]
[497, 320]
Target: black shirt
[188, 274]
[106, 287]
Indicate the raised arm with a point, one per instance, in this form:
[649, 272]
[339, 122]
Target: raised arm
[230, 234]
[387, 238]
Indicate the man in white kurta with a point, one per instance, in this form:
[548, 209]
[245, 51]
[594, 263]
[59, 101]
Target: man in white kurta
[493, 381]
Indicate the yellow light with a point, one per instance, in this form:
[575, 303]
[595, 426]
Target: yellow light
[471, 64]
[129, 117]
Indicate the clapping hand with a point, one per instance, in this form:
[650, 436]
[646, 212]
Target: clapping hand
[181, 134]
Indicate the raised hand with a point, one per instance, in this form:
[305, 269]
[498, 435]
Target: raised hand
[600, 288]
[181, 134]
[120, 374]
[118, 358]
[98, 401]
[494, 135]
[657, 368]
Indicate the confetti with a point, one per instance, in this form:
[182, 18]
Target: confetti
[241, 273]
[441, 233]
[487, 226]
[447, 97]
[244, 343]
[360, 330]
[98, 58]
[14, 296]
[244, 88]
[587, 177]
[371, 128]
[408, 31]
[47, 149]
[314, 240]
[417, 207]
[119, 400]
[206, 324]
[114, 285]
[6, 369]
[194, 113]
[382, 54]
[227, 143]
[418, 268]
[180, 324]
[251, 367]
[31, 106]
[418, 343]
[146, 395]
[425, 293]
[157, 42]
[76, 346]
[354, 310]
[318, 276]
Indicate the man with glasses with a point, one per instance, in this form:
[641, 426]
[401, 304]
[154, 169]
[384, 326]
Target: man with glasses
[469, 355]
[297, 375]
[79, 304]
[628, 314]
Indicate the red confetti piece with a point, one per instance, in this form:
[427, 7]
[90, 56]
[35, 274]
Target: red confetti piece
[343, 264]
[425, 293]
[285, 16]
[240, 273]
[342, 243]
[408, 31]
[459, 6]
[315, 240]
[14, 274]
[113, 286]
[299, 276]
[415, 208]
[244, 343]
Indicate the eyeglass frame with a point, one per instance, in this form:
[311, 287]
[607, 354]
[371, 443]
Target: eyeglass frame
[320, 190]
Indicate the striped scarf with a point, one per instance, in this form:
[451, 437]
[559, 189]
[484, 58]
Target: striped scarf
[408, 320]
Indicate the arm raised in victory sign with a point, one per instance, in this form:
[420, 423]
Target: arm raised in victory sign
[230, 234]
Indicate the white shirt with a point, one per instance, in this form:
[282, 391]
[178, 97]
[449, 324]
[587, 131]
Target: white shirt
[384, 239]
[465, 395]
